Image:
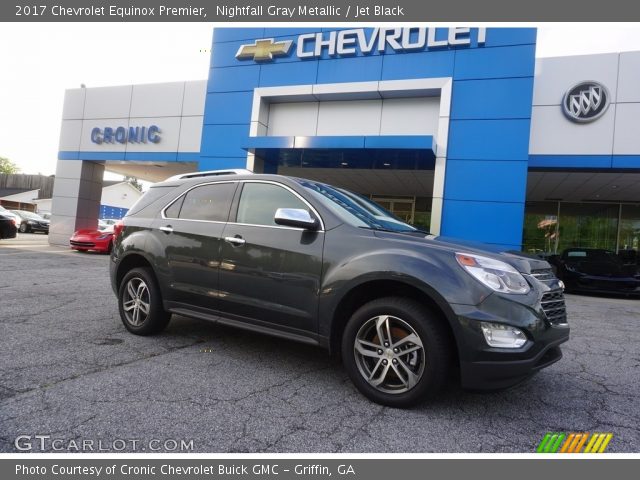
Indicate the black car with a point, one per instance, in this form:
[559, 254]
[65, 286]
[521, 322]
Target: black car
[31, 222]
[8, 227]
[598, 271]
[310, 262]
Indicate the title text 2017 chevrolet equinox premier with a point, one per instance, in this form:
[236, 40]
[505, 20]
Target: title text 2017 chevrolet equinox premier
[307, 261]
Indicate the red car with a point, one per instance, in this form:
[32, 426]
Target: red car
[96, 240]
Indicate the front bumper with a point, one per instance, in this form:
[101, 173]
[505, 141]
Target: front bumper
[483, 367]
[600, 284]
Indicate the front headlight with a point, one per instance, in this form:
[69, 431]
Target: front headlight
[496, 275]
[31, 222]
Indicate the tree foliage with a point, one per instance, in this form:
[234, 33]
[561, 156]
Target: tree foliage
[7, 166]
[134, 182]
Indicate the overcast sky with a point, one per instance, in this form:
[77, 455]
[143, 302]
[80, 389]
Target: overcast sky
[39, 61]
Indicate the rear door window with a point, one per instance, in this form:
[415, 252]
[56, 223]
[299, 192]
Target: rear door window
[207, 202]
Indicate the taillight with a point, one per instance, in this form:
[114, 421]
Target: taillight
[117, 228]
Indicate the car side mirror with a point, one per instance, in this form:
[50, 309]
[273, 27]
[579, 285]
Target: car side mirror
[296, 217]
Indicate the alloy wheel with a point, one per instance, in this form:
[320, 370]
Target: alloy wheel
[136, 301]
[389, 354]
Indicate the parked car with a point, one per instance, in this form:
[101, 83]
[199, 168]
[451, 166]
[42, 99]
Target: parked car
[306, 261]
[31, 222]
[106, 223]
[8, 226]
[10, 214]
[597, 270]
[89, 239]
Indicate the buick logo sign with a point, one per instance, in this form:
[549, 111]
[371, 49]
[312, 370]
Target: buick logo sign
[585, 102]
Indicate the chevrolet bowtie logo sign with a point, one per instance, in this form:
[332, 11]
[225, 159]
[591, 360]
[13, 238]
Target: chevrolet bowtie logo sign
[264, 50]
[359, 41]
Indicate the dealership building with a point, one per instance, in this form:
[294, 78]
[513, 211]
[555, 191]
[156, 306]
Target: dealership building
[461, 131]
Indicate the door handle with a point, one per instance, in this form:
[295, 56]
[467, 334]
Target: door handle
[235, 241]
[167, 229]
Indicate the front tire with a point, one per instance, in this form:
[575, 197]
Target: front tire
[140, 303]
[24, 228]
[396, 351]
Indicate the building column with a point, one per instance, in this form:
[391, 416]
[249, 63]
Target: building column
[76, 198]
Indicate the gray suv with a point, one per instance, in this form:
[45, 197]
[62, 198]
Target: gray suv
[303, 260]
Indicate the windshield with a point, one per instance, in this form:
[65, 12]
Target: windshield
[593, 256]
[356, 209]
[28, 215]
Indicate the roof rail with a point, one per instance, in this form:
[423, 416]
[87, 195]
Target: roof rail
[210, 173]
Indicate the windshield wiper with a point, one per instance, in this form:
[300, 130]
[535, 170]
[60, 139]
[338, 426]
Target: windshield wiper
[382, 229]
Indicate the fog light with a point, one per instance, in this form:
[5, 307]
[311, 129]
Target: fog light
[503, 336]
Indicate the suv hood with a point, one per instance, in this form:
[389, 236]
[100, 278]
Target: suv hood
[520, 261]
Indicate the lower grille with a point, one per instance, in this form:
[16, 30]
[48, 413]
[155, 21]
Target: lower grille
[82, 244]
[554, 307]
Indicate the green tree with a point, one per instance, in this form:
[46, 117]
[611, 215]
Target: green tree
[134, 182]
[7, 166]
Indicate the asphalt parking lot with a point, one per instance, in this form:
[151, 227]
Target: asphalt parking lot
[69, 370]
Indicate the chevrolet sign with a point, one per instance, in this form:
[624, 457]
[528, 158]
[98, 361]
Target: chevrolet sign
[351, 42]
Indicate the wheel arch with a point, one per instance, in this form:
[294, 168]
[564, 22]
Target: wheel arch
[129, 262]
[370, 289]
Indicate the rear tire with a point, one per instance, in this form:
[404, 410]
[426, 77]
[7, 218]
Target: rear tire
[140, 303]
[416, 352]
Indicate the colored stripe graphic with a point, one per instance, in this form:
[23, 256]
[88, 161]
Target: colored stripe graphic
[558, 442]
[550, 443]
[570, 441]
[580, 443]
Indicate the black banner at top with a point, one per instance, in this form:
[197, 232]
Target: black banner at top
[319, 11]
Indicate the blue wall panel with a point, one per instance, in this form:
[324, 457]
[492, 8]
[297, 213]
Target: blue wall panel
[218, 163]
[300, 73]
[233, 79]
[108, 211]
[418, 65]
[625, 161]
[485, 181]
[357, 69]
[599, 162]
[570, 161]
[235, 105]
[224, 140]
[491, 222]
[498, 62]
[499, 37]
[493, 99]
[489, 139]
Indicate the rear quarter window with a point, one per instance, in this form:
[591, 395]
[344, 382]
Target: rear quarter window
[153, 194]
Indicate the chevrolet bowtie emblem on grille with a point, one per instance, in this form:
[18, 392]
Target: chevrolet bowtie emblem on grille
[585, 102]
[264, 50]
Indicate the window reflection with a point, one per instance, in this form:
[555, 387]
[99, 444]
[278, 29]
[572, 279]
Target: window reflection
[551, 227]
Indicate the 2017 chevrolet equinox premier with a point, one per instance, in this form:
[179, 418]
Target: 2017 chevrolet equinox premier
[307, 261]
